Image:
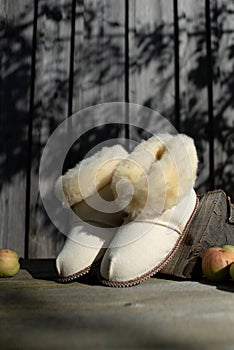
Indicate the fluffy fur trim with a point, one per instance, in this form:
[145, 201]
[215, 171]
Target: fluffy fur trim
[89, 176]
[156, 175]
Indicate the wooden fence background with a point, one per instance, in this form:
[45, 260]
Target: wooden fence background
[59, 56]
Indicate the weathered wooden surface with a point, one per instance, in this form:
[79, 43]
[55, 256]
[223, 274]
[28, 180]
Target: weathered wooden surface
[193, 82]
[99, 70]
[151, 63]
[50, 108]
[222, 15]
[16, 29]
[38, 313]
[209, 228]
[92, 51]
[99, 53]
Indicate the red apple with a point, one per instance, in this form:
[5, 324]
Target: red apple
[216, 263]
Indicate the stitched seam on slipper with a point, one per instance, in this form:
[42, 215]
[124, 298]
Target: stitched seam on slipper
[74, 276]
[159, 224]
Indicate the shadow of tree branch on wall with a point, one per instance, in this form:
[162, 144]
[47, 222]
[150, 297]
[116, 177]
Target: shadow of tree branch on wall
[156, 45]
[99, 76]
[15, 79]
[223, 58]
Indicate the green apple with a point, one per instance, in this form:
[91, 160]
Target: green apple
[231, 271]
[229, 247]
[9, 263]
[216, 263]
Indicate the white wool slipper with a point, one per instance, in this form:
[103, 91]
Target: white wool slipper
[142, 248]
[93, 228]
[155, 183]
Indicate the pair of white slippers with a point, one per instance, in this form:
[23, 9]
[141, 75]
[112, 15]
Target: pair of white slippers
[132, 209]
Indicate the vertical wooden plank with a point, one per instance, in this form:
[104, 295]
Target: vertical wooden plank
[50, 108]
[222, 19]
[16, 28]
[99, 52]
[151, 58]
[176, 64]
[98, 66]
[193, 82]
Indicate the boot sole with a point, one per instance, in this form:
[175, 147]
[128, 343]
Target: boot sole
[74, 276]
[81, 273]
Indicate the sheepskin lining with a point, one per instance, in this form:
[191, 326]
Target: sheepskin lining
[168, 166]
[89, 176]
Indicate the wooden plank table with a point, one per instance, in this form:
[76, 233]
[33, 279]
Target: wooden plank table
[38, 313]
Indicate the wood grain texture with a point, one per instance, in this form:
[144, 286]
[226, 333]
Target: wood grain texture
[94, 51]
[209, 228]
[222, 16]
[50, 108]
[99, 71]
[16, 28]
[193, 82]
[158, 314]
[99, 53]
[151, 62]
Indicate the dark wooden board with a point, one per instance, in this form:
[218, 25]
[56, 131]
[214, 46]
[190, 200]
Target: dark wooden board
[50, 109]
[222, 35]
[151, 63]
[193, 83]
[16, 30]
[99, 70]
[99, 53]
